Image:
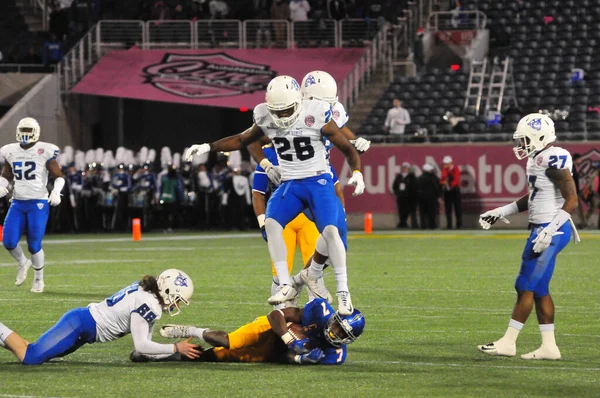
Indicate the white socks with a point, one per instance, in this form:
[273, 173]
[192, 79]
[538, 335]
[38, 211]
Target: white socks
[18, 255]
[38, 265]
[4, 333]
[196, 332]
[337, 254]
[277, 250]
[547, 331]
[315, 270]
[514, 327]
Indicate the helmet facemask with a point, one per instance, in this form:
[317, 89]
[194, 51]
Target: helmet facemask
[284, 101]
[534, 132]
[338, 331]
[174, 287]
[28, 131]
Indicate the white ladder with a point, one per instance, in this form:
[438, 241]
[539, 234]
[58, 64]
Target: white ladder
[500, 87]
[475, 86]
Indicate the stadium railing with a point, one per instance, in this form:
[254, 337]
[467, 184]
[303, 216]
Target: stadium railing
[315, 33]
[170, 34]
[267, 33]
[27, 68]
[221, 33]
[456, 20]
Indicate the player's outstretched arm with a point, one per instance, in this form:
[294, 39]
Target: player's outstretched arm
[359, 143]
[227, 144]
[489, 218]
[331, 131]
[5, 178]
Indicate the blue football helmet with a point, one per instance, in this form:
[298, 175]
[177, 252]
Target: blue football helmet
[351, 325]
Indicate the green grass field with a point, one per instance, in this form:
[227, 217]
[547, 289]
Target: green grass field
[428, 299]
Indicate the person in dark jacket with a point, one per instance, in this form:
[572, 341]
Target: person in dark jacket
[405, 189]
[428, 192]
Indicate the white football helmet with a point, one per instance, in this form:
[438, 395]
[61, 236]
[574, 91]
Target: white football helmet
[534, 132]
[174, 287]
[284, 101]
[319, 85]
[28, 131]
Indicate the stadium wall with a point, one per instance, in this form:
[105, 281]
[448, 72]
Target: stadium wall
[491, 176]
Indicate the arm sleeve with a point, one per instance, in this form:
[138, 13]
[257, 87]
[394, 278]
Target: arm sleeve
[407, 120]
[456, 179]
[261, 180]
[141, 333]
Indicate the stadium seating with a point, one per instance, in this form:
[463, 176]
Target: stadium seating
[547, 40]
[15, 37]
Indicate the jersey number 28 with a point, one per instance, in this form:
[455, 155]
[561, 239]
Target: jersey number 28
[302, 147]
[21, 170]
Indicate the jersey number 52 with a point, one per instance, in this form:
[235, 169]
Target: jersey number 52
[21, 170]
[302, 147]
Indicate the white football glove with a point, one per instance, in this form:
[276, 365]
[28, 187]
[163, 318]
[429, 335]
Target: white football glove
[54, 198]
[489, 218]
[544, 239]
[196, 149]
[359, 183]
[3, 192]
[361, 144]
[273, 172]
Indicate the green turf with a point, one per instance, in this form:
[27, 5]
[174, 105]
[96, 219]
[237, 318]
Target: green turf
[428, 300]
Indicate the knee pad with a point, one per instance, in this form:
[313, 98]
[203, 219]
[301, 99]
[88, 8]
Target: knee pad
[330, 232]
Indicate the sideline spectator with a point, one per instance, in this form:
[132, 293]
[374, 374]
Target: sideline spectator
[280, 9]
[397, 118]
[31, 57]
[52, 50]
[337, 9]
[218, 9]
[405, 189]
[428, 194]
[299, 10]
[450, 182]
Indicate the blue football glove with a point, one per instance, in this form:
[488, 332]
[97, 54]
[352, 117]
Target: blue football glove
[263, 231]
[298, 346]
[313, 357]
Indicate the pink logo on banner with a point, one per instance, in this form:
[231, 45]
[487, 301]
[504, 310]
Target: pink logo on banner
[309, 120]
[207, 75]
[225, 78]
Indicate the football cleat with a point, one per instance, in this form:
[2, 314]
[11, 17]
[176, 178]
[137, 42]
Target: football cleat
[344, 303]
[544, 352]
[38, 286]
[287, 293]
[499, 348]
[174, 331]
[22, 273]
[316, 285]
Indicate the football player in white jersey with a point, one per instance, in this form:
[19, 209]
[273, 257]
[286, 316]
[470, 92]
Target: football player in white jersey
[550, 202]
[28, 163]
[134, 309]
[297, 128]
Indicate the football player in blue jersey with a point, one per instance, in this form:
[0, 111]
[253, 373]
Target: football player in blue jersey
[323, 337]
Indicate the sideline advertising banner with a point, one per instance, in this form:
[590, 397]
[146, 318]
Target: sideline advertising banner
[491, 175]
[223, 78]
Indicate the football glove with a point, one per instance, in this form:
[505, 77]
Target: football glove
[313, 357]
[196, 149]
[358, 181]
[3, 192]
[544, 239]
[298, 346]
[54, 198]
[273, 172]
[361, 144]
[489, 218]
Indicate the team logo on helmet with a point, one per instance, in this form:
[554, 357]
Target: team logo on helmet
[310, 80]
[181, 281]
[207, 75]
[295, 85]
[41, 151]
[536, 124]
[309, 120]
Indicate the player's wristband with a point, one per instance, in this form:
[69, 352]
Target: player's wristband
[261, 220]
[265, 164]
[287, 338]
[3, 182]
[509, 209]
[558, 220]
[356, 171]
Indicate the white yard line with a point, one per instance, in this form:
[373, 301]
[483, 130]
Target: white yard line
[484, 366]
